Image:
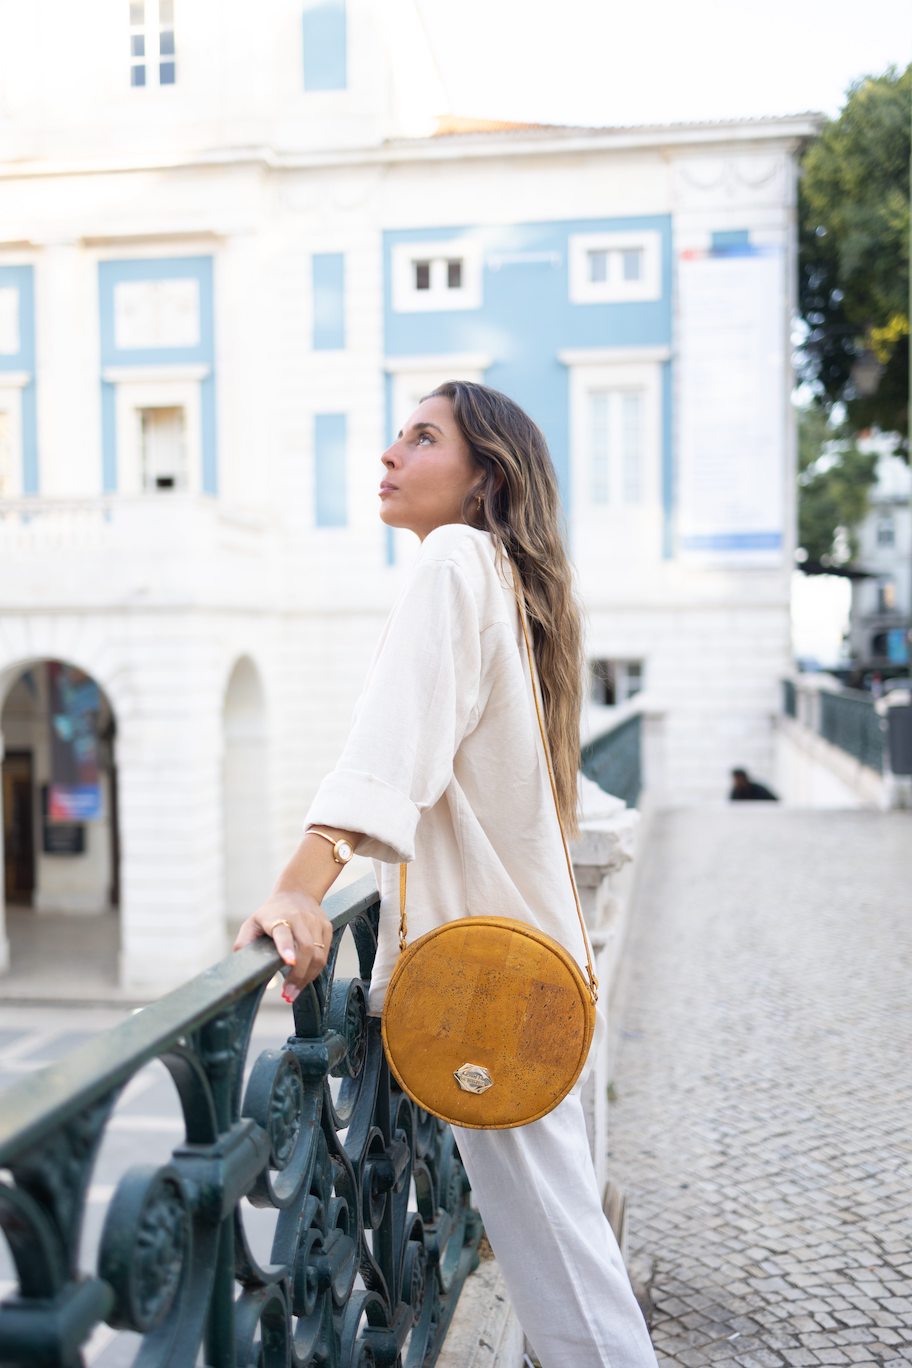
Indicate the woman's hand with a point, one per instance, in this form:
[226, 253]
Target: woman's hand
[301, 932]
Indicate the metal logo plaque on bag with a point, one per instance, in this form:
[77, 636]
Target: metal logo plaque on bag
[473, 1078]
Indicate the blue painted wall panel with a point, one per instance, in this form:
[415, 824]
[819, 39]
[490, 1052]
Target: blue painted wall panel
[325, 41]
[108, 437]
[729, 240]
[330, 482]
[208, 446]
[110, 275]
[328, 275]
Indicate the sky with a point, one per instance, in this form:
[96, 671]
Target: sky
[601, 63]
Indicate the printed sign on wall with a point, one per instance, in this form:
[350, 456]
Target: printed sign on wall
[732, 372]
[74, 703]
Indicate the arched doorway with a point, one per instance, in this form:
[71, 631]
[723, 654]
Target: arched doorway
[59, 821]
[245, 790]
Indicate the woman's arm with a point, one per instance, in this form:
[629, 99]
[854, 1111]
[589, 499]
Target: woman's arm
[295, 899]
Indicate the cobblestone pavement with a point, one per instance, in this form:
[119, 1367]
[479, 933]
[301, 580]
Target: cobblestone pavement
[764, 1103]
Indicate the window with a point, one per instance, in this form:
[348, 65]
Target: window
[615, 267]
[328, 284]
[325, 41]
[614, 681]
[152, 50]
[615, 264]
[438, 274]
[886, 595]
[163, 448]
[330, 475]
[886, 532]
[435, 276]
[616, 445]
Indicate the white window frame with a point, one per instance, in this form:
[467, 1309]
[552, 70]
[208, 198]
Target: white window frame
[622, 374]
[885, 524]
[150, 30]
[406, 299]
[615, 290]
[151, 391]
[622, 672]
[11, 387]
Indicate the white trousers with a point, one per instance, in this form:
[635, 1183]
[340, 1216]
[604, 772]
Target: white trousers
[536, 1190]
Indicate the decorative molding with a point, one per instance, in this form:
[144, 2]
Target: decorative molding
[140, 375]
[729, 179]
[613, 356]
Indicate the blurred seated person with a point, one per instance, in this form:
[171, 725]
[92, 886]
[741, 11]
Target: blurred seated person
[743, 786]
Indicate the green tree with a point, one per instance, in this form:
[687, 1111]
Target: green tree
[834, 478]
[854, 253]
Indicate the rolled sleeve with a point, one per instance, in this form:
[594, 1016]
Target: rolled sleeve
[387, 818]
[416, 707]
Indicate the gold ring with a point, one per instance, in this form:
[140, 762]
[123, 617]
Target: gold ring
[280, 922]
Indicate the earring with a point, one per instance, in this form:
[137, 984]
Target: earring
[478, 503]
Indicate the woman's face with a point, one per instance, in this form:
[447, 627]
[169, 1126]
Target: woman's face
[429, 470]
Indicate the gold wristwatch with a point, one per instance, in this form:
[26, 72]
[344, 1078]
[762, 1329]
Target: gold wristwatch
[342, 849]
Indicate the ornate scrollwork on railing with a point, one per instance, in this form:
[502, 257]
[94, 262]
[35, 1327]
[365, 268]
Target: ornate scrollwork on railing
[373, 1235]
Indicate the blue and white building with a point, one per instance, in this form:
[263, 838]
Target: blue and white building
[232, 257]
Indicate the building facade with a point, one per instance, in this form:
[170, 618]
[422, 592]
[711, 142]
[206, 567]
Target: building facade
[232, 258]
[880, 617]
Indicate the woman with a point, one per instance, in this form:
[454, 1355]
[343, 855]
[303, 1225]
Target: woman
[444, 768]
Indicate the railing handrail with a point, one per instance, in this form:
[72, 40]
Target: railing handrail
[818, 682]
[846, 718]
[601, 719]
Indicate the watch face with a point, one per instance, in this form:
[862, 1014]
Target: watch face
[344, 850]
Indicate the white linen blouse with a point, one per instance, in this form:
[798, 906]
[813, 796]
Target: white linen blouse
[444, 766]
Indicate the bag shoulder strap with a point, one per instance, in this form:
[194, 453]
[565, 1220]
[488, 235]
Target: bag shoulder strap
[403, 868]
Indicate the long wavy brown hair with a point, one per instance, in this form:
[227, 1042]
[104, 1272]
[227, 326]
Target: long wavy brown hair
[520, 507]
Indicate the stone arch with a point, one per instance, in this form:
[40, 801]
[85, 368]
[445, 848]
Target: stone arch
[61, 877]
[247, 844]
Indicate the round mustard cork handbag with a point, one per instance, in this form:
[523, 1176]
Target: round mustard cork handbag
[487, 1021]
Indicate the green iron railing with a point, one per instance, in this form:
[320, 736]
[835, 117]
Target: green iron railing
[374, 1234]
[613, 760]
[851, 722]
